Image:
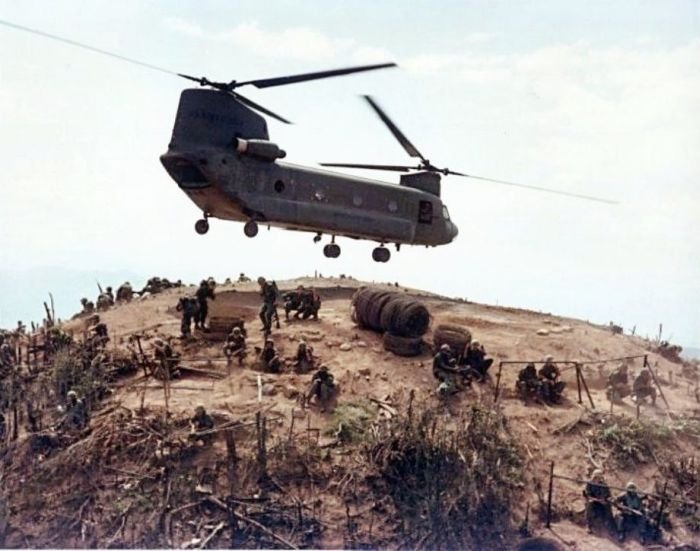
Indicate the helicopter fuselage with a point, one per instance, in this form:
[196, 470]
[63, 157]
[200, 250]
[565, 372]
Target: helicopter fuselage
[225, 181]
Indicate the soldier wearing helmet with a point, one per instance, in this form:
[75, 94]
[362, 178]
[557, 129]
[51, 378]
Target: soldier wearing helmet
[269, 358]
[201, 422]
[551, 386]
[632, 512]
[268, 292]
[643, 387]
[445, 370]
[76, 414]
[475, 359]
[322, 387]
[235, 346]
[88, 306]
[205, 291]
[618, 383]
[304, 360]
[598, 506]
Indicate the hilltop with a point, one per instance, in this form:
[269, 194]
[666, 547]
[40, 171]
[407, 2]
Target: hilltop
[322, 483]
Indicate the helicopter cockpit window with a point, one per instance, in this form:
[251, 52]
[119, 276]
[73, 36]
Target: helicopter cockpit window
[393, 206]
[445, 213]
[425, 212]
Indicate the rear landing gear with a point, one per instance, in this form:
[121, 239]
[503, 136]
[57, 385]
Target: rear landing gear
[381, 254]
[251, 228]
[331, 250]
[201, 226]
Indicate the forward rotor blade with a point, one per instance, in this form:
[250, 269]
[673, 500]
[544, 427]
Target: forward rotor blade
[403, 140]
[394, 168]
[85, 47]
[538, 188]
[279, 81]
[258, 107]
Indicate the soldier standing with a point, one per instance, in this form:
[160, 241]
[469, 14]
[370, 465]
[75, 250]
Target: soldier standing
[204, 292]
[267, 310]
[188, 307]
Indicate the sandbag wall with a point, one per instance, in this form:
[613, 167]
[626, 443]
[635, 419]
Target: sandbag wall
[402, 320]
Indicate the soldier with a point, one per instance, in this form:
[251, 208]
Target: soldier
[100, 335]
[528, 384]
[125, 292]
[475, 358]
[598, 506]
[632, 515]
[304, 360]
[88, 306]
[110, 295]
[322, 387]
[643, 387]
[310, 304]
[205, 291]
[235, 346]
[104, 302]
[76, 414]
[618, 384]
[188, 306]
[201, 422]
[270, 358]
[446, 371]
[292, 302]
[549, 374]
[21, 328]
[268, 308]
[166, 360]
[242, 278]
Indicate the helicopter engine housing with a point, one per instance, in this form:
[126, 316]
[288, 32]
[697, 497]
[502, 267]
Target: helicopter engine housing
[261, 149]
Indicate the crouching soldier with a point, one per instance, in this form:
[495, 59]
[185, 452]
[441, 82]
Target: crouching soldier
[551, 386]
[292, 302]
[269, 358]
[125, 292]
[304, 360]
[598, 506]
[618, 384]
[632, 515]
[322, 387]
[528, 384]
[235, 346]
[475, 358]
[446, 371]
[200, 425]
[88, 306]
[76, 414]
[310, 304]
[643, 387]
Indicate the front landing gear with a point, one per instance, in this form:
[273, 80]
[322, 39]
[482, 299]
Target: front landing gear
[201, 226]
[251, 228]
[381, 254]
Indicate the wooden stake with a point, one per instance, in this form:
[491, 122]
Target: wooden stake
[549, 494]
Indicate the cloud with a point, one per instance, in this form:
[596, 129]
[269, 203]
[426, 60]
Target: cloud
[295, 43]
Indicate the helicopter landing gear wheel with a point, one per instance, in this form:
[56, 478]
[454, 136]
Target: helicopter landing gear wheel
[331, 250]
[201, 226]
[381, 254]
[251, 228]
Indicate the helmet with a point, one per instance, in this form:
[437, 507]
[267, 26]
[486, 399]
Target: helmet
[549, 358]
[83, 300]
[323, 368]
[445, 348]
[631, 486]
[236, 330]
[109, 289]
[475, 343]
[158, 342]
[72, 394]
[623, 367]
[261, 280]
[302, 343]
[203, 282]
[597, 474]
[199, 409]
[269, 341]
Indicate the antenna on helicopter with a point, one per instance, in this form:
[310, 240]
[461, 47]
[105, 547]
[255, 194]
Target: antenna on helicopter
[226, 87]
[426, 166]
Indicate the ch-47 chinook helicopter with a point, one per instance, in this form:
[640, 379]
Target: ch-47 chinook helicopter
[221, 157]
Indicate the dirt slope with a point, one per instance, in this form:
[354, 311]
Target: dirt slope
[365, 370]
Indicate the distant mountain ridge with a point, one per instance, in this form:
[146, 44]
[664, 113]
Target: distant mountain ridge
[691, 352]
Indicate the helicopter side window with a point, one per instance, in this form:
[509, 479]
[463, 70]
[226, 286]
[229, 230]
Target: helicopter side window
[425, 212]
[445, 213]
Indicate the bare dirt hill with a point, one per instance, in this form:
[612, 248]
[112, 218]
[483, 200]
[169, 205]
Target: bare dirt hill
[324, 484]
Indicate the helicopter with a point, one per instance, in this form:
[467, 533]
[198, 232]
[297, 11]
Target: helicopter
[220, 155]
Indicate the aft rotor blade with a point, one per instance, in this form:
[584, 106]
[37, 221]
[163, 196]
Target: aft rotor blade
[394, 168]
[280, 81]
[538, 188]
[403, 140]
[85, 47]
[258, 107]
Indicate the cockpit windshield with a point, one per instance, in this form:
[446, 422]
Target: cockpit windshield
[445, 213]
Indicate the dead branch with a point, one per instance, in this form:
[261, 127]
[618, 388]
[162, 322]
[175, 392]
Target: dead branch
[213, 533]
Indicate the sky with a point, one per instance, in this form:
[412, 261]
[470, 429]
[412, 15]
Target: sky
[599, 98]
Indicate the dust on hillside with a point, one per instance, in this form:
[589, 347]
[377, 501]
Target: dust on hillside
[278, 474]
